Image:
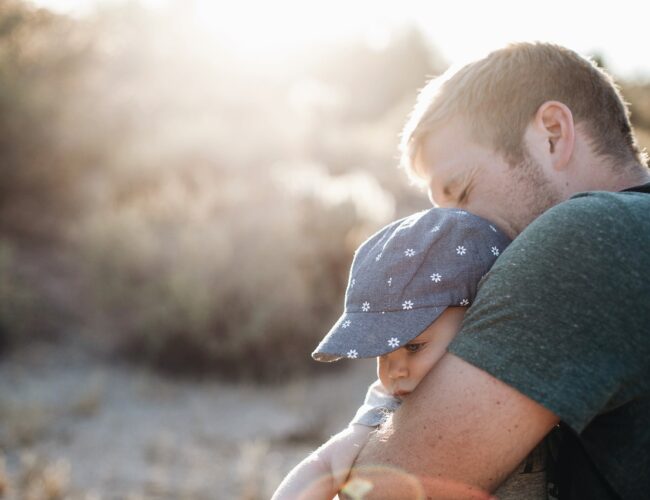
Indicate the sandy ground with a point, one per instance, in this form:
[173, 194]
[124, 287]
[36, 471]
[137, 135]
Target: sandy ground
[78, 428]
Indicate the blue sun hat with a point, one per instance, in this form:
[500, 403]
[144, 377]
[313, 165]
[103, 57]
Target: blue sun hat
[405, 275]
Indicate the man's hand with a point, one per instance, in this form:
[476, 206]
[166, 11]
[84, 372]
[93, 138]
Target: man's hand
[458, 435]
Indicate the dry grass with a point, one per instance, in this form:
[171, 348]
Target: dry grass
[24, 423]
[142, 435]
[36, 479]
[25, 420]
[89, 400]
[249, 468]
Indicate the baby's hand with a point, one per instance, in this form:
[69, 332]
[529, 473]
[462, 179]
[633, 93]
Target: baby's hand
[343, 450]
[322, 474]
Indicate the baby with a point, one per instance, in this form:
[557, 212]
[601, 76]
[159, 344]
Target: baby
[409, 287]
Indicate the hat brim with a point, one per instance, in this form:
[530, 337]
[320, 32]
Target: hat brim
[371, 334]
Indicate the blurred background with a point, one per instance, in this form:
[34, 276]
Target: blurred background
[182, 186]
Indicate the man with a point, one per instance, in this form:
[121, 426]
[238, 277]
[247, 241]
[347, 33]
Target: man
[559, 331]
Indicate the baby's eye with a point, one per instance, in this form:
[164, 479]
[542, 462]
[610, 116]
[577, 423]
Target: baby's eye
[414, 347]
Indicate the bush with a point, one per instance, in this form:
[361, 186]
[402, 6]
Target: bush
[24, 314]
[191, 282]
[157, 153]
[42, 57]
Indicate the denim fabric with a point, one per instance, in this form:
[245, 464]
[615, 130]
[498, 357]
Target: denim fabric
[404, 276]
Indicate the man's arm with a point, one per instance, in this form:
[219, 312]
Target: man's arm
[457, 436]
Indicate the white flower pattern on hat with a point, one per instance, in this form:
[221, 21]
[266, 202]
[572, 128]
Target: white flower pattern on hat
[397, 260]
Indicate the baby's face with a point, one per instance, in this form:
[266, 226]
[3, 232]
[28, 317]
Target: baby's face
[401, 370]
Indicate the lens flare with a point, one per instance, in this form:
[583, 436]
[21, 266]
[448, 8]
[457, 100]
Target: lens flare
[393, 483]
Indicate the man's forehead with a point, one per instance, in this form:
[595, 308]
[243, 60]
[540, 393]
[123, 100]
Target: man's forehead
[421, 164]
[439, 176]
[433, 147]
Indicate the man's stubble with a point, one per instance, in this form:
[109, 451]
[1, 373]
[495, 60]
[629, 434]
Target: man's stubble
[535, 193]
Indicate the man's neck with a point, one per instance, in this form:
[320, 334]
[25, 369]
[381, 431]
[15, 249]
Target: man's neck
[636, 177]
[631, 176]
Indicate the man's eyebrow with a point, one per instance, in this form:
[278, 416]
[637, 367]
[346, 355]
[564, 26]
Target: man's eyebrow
[452, 183]
[462, 180]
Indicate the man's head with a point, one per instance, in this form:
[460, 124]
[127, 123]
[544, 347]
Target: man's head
[514, 133]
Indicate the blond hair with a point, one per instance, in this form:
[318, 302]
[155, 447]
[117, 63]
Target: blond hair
[498, 96]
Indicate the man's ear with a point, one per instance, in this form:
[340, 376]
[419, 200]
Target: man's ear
[555, 133]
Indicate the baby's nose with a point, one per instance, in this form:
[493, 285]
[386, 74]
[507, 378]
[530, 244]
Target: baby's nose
[398, 367]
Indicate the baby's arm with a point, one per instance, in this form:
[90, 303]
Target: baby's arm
[322, 474]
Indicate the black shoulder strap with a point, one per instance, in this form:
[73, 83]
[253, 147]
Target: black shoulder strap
[643, 188]
[570, 472]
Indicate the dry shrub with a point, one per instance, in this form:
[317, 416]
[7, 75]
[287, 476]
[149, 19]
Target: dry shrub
[41, 56]
[23, 314]
[42, 479]
[37, 478]
[224, 275]
[31, 308]
[155, 148]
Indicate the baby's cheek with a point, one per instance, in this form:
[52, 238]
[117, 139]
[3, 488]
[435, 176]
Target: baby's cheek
[382, 372]
[424, 368]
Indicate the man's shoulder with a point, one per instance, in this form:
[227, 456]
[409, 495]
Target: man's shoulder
[594, 215]
[562, 315]
[582, 241]
[592, 203]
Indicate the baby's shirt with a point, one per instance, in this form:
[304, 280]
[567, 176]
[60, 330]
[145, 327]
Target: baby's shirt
[377, 405]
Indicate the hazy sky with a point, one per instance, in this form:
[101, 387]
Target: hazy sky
[460, 29]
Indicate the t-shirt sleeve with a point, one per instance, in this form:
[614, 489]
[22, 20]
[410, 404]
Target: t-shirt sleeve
[377, 405]
[562, 315]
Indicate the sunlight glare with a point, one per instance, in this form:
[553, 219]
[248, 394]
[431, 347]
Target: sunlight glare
[461, 30]
[284, 26]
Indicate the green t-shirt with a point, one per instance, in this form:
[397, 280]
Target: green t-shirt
[564, 317]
